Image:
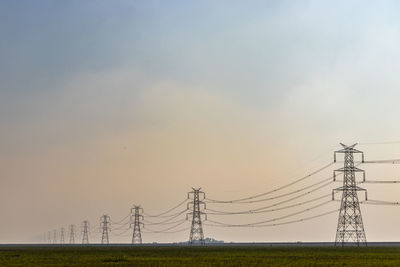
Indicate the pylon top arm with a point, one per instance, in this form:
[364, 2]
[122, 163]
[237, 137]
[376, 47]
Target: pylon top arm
[348, 149]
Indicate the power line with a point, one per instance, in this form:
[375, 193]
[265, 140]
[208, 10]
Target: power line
[389, 161]
[166, 229]
[165, 212]
[169, 232]
[122, 226]
[275, 190]
[282, 195]
[264, 210]
[380, 202]
[164, 223]
[380, 182]
[122, 234]
[168, 216]
[120, 221]
[167, 220]
[380, 143]
[273, 219]
[295, 197]
[277, 224]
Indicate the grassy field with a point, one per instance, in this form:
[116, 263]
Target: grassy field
[198, 256]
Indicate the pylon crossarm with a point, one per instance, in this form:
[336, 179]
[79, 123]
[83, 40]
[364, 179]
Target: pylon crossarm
[349, 150]
[349, 168]
[349, 188]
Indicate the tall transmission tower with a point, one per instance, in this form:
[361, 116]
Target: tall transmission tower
[54, 236]
[105, 225]
[72, 234]
[136, 218]
[49, 237]
[350, 228]
[85, 230]
[62, 233]
[196, 230]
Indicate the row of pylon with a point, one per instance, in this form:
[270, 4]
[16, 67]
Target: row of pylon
[196, 232]
[350, 227]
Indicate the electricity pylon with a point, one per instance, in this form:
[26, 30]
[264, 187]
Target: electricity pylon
[350, 228]
[72, 234]
[54, 236]
[49, 237]
[196, 230]
[136, 216]
[62, 232]
[105, 225]
[85, 230]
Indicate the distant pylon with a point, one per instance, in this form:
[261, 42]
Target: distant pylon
[54, 236]
[196, 230]
[49, 237]
[62, 233]
[105, 225]
[350, 228]
[72, 234]
[136, 216]
[85, 230]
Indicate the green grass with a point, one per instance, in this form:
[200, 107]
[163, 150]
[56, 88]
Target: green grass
[198, 256]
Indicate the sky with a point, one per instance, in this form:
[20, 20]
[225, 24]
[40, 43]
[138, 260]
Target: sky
[107, 104]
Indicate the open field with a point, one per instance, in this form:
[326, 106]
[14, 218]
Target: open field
[198, 256]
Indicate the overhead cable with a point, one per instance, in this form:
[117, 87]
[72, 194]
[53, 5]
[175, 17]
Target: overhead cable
[275, 190]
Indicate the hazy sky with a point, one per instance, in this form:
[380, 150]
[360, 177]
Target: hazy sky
[106, 104]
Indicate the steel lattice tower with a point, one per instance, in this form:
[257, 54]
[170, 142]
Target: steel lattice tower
[62, 233]
[135, 220]
[85, 235]
[350, 228]
[54, 236]
[72, 234]
[105, 225]
[196, 230]
[49, 237]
